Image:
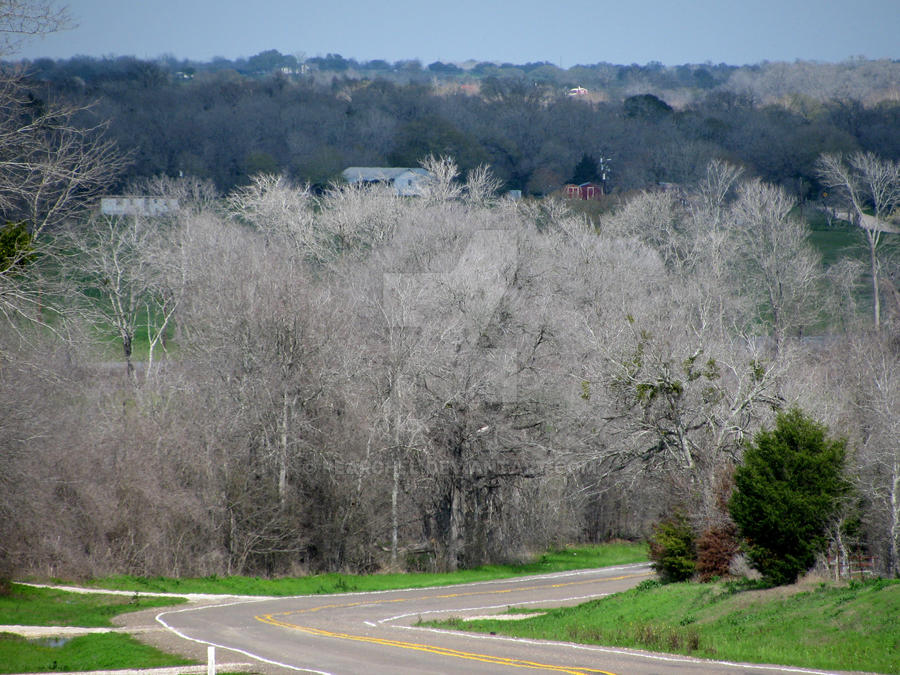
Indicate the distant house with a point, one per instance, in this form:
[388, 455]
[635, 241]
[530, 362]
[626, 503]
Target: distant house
[577, 91]
[407, 182]
[583, 191]
[137, 206]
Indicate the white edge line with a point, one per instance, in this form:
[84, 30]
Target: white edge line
[160, 620]
[195, 597]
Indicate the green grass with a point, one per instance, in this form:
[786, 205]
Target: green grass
[29, 606]
[827, 626]
[838, 242]
[846, 241]
[553, 561]
[105, 651]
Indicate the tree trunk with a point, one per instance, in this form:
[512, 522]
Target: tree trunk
[283, 451]
[126, 350]
[894, 550]
[873, 260]
[454, 547]
[395, 518]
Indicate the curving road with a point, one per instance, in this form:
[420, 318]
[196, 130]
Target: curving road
[375, 633]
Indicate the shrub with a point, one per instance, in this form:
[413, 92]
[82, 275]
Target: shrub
[787, 490]
[672, 549]
[716, 548]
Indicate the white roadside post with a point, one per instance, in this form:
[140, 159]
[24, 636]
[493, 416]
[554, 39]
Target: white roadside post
[210, 661]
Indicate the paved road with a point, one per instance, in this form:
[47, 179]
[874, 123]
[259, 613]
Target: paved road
[375, 633]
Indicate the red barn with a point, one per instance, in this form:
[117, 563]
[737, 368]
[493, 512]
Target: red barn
[583, 191]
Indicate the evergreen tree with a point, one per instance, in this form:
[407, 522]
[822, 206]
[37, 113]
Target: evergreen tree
[786, 492]
[586, 171]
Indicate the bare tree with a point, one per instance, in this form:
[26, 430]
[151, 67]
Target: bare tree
[195, 195]
[51, 169]
[776, 266]
[656, 219]
[482, 186]
[714, 190]
[266, 341]
[872, 392]
[355, 217]
[282, 212]
[865, 182]
[24, 19]
[118, 267]
[442, 184]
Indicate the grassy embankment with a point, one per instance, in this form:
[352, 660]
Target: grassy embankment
[814, 625]
[105, 651]
[553, 561]
[43, 607]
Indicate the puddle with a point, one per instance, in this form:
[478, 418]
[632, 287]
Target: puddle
[50, 641]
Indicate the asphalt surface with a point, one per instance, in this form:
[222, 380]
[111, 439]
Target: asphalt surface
[376, 633]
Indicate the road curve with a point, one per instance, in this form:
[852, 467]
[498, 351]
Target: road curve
[375, 632]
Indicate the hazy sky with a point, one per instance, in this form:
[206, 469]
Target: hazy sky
[566, 33]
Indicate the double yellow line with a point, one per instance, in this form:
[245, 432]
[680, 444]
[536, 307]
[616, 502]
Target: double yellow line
[274, 620]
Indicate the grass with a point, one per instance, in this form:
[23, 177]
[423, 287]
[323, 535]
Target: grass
[847, 241]
[29, 606]
[838, 242]
[553, 561]
[840, 627]
[105, 651]
[46, 607]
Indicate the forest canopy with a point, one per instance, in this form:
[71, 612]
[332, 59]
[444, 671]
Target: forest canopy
[291, 373]
[225, 120]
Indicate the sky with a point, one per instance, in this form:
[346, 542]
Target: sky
[673, 32]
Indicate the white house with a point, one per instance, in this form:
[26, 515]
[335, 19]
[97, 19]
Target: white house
[407, 182]
[137, 206]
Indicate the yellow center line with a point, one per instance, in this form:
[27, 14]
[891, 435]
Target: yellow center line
[434, 649]
[446, 596]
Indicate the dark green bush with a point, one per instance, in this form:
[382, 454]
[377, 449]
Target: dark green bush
[672, 549]
[787, 491]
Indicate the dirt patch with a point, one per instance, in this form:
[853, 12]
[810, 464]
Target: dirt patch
[503, 617]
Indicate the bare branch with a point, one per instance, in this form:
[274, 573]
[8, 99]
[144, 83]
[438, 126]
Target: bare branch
[20, 19]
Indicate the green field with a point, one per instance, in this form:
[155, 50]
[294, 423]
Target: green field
[553, 561]
[842, 627]
[846, 241]
[106, 651]
[29, 606]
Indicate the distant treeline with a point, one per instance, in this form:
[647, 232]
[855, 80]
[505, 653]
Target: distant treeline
[309, 118]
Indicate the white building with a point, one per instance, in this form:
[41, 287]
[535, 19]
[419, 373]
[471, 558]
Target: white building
[407, 182]
[137, 206]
